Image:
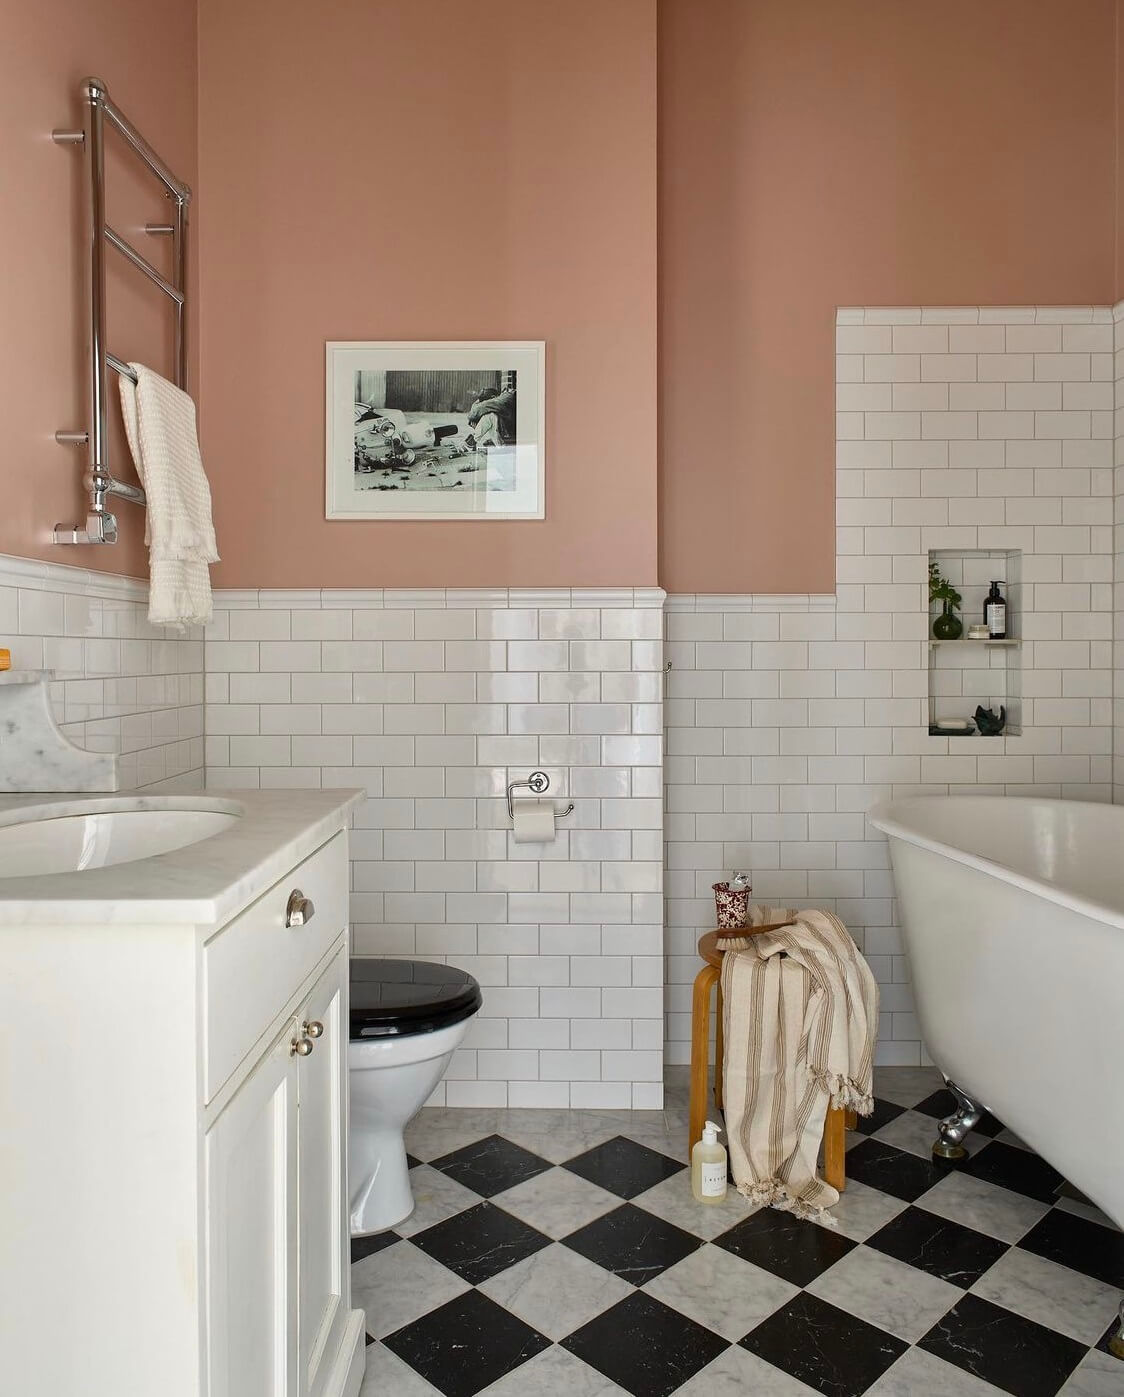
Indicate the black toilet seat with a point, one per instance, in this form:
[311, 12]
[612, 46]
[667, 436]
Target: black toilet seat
[398, 998]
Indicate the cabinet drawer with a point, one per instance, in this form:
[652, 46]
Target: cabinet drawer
[254, 966]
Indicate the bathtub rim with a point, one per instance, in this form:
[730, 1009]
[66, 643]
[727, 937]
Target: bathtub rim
[887, 816]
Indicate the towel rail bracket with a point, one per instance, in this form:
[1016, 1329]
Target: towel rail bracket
[99, 528]
[101, 524]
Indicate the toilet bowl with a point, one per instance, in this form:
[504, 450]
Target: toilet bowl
[408, 1017]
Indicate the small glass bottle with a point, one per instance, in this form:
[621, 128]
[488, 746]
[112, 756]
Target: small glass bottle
[708, 1167]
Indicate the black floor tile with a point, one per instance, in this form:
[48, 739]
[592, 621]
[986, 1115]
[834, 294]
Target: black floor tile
[411, 1162]
[1016, 1169]
[828, 1349]
[466, 1345]
[369, 1339]
[644, 1346]
[884, 1112]
[885, 1167]
[1003, 1348]
[631, 1243]
[795, 1250]
[946, 1249]
[367, 1246]
[491, 1165]
[624, 1167]
[480, 1242]
[1082, 1246]
[942, 1103]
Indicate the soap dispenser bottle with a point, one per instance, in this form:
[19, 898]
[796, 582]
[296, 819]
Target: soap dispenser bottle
[708, 1167]
[995, 613]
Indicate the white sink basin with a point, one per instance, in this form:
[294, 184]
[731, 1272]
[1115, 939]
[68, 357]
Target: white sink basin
[97, 833]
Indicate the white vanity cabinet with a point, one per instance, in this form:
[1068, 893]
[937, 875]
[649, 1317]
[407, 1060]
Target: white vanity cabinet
[173, 1193]
[277, 1259]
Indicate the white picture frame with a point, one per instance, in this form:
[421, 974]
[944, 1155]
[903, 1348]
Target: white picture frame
[452, 430]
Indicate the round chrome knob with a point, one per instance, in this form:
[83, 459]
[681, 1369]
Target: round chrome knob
[301, 1047]
[314, 1028]
[299, 911]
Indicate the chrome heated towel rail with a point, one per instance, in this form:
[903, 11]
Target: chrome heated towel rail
[101, 525]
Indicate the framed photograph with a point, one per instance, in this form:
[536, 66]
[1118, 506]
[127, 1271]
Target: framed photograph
[449, 430]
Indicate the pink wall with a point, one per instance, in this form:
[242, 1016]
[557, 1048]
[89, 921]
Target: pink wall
[849, 152]
[520, 142]
[144, 50]
[831, 152]
[1119, 150]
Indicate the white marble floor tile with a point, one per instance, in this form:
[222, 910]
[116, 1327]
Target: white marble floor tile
[560, 1135]
[886, 1292]
[906, 1086]
[552, 1373]
[721, 1291]
[984, 1206]
[673, 1201]
[556, 1291]
[739, 1373]
[436, 1197]
[397, 1285]
[918, 1372]
[436, 1131]
[557, 1202]
[1052, 1295]
[862, 1210]
[1097, 1375]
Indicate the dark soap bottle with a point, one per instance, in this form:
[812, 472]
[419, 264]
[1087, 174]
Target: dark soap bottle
[995, 613]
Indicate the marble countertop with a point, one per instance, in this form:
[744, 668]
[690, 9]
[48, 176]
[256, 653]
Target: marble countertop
[205, 883]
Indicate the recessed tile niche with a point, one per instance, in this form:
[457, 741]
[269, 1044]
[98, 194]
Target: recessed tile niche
[966, 673]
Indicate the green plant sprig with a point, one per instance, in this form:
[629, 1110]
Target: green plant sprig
[940, 589]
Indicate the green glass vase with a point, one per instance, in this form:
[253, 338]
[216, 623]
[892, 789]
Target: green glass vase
[948, 626]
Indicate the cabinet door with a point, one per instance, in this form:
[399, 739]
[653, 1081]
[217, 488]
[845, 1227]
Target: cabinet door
[251, 1202]
[323, 1247]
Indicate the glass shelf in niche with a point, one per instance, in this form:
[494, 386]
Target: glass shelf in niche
[973, 640]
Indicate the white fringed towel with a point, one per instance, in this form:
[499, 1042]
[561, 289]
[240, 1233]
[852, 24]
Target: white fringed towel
[800, 1010]
[179, 531]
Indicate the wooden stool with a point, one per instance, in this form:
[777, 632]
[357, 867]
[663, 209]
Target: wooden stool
[838, 1121]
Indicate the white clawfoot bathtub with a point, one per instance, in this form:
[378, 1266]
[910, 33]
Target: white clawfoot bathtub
[1012, 910]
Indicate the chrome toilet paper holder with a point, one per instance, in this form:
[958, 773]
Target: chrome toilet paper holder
[538, 781]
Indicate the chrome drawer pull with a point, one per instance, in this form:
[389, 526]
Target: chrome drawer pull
[300, 910]
[301, 1047]
[314, 1028]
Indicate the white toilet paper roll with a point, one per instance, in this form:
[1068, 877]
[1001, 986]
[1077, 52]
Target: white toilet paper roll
[534, 821]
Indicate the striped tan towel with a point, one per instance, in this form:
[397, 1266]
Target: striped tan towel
[800, 1014]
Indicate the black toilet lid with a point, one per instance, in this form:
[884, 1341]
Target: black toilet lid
[393, 998]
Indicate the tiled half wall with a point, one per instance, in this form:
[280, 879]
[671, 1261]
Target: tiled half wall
[788, 718]
[1118, 554]
[432, 701]
[119, 684]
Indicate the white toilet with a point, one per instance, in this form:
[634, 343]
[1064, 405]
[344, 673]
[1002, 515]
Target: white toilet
[408, 1017]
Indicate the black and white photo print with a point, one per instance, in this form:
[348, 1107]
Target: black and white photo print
[442, 431]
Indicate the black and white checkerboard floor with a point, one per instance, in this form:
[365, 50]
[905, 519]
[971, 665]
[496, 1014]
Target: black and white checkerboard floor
[560, 1252]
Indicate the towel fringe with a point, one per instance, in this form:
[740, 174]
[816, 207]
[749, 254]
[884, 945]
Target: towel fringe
[845, 1093]
[775, 1193]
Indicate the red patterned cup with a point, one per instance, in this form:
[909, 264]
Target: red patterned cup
[731, 905]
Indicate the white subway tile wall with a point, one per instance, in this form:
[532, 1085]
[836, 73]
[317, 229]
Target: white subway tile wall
[787, 718]
[119, 684]
[433, 701]
[1118, 548]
